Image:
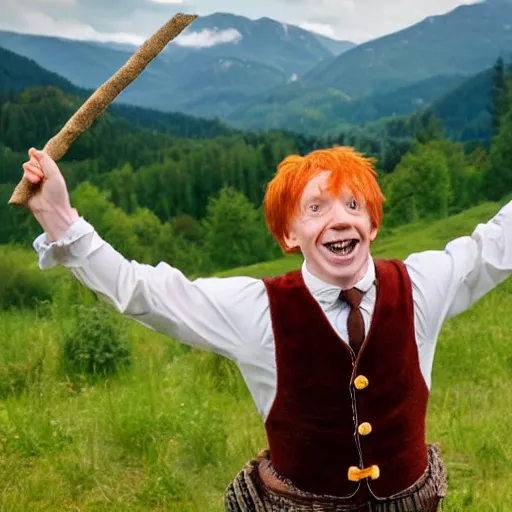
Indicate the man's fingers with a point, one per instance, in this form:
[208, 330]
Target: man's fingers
[35, 161]
[38, 156]
[30, 176]
[34, 168]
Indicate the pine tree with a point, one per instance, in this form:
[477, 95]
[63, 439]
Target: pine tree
[498, 95]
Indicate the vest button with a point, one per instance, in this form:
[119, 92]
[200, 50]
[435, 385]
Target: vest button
[364, 429]
[361, 382]
[355, 474]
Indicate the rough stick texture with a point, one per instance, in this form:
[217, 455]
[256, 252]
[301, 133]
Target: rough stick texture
[99, 101]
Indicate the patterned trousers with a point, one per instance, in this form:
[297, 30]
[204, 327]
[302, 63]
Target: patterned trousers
[248, 493]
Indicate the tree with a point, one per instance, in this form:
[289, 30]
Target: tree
[465, 176]
[498, 182]
[234, 233]
[110, 222]
[188, 227]
[429, 127]
[420, 187]
[498, 106]
[148, 229]
[122, 187]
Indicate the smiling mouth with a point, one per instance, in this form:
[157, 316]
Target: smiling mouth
[343, 247]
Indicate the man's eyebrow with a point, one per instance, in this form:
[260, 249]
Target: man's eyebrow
[313, 193]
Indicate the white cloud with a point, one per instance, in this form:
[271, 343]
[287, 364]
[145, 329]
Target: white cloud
[363, 20]
[206, 38]
[319, 28]
[129, 20]
[61, 2]
[45, 25]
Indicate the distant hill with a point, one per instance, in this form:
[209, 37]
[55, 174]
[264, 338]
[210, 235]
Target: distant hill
[414, 65]
[18, 73]
[335, 46]
[463, 41]
[320, 111]
[465, 110]
[256, 56]
[288, 48]
[441, 63]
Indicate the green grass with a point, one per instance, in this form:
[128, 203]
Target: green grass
[171, 432]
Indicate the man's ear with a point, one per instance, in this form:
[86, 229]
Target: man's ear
[291, 240]
[373, 234]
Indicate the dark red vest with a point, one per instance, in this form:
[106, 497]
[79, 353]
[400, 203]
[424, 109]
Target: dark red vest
[313, 425]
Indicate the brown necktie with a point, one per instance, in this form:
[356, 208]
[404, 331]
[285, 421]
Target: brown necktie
[355, 323]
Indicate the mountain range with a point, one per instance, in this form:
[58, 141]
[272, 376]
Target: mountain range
[350, 88]
[273, 75]
[258, 55]
[17, 74]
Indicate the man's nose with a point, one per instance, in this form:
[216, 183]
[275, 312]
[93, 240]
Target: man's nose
[340, 217]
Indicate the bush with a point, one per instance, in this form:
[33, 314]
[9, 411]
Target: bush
[22, 283]
[97, 343]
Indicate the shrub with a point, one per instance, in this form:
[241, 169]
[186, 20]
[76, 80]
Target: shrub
[97, 343]
[22, 283]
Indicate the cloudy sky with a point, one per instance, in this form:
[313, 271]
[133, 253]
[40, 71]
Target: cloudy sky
[134, 20]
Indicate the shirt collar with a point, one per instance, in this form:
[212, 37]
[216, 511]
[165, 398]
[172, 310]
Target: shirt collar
[328, 294]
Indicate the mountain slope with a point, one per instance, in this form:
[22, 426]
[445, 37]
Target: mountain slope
[391, 75]
[18, 73]
[465, 110]
[463, 41]
[335, 46]
[288, 48]
[321, 111]
[255, 56]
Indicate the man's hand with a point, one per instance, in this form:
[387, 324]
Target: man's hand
[50, 205]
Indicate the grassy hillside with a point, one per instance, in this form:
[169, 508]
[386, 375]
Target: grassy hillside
[172, 431]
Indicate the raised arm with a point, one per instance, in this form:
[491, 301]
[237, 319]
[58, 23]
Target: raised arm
[210, 313]
[448, 282]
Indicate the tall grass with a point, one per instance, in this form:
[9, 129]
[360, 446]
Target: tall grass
[172, 430]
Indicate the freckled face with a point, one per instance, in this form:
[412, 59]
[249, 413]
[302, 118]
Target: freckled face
[334, 233]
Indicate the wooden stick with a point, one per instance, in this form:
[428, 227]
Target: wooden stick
[99, 101]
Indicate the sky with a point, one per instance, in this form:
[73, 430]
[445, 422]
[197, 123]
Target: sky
[132, 21]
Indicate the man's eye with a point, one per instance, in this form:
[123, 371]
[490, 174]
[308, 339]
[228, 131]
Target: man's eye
[352, 204]
[314, 207]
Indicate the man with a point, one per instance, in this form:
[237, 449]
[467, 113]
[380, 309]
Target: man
[337, 355]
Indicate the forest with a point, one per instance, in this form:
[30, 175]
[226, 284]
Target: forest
[184, 193]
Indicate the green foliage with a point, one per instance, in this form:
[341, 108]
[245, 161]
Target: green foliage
[499, 177]
[234, 233]
[498, 106]
[22, 285]
[97, 343]
[420, 187]
[188, 227]
[432, 181]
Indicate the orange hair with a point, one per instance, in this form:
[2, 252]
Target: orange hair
[349, 169]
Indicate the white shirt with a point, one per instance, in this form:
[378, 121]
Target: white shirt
[230, 316]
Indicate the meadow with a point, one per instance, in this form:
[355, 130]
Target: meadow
[170, 432]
